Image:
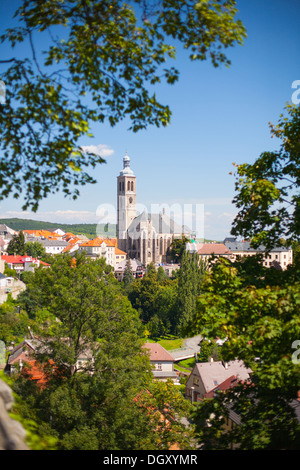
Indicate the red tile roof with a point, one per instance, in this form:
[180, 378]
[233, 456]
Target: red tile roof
[12, 259]
[158, 353]
[99, 241]
[120, 252]
[212, 249]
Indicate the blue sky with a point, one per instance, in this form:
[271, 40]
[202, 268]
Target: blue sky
[219, 116]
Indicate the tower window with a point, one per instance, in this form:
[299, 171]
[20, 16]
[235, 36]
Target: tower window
[131, 185]
[128, 186]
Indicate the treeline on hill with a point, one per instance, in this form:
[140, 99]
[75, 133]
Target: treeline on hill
[90, 230]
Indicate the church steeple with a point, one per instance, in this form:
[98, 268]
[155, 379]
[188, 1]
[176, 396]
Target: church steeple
[126, 167]
[126, 203]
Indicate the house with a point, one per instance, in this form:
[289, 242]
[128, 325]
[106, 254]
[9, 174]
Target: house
[36, 235]
[23, 357]
[54, 246]
[119, 255]
[208, 377]
[99, 248]
[23, 263]
[59, 232]
[6, 235]
[169, 268]
[5, 281]
[162, 362]
[208, 250]
[20, 354]
[73, 245]
[136, 268]
[279, 257]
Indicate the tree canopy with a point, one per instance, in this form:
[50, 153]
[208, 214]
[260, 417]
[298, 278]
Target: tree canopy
[93, 62]
[268, 190]
[99, 392]
[256, 309]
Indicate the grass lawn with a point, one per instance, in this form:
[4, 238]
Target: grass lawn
[168, 342]
[171, 343]
[188, 363]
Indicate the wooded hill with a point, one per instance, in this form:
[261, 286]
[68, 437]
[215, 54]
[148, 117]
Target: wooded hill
[90, 230]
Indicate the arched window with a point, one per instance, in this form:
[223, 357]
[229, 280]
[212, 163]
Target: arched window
[128, 186]
[120, 186]
[131, 185]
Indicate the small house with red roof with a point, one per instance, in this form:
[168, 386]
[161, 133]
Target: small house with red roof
[162, 362]
[207, 378]
[23, 263]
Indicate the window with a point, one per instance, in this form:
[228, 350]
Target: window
[131, 185]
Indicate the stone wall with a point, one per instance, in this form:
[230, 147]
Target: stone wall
[12, 434]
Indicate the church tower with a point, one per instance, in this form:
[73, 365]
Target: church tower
[126, 202]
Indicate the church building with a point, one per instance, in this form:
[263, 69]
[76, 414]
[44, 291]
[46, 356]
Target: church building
[145, 236]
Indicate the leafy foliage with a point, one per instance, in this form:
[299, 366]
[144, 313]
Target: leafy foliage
[256, 309]
[100, 61]
[190, 277]
[268, 190]
[17, 245]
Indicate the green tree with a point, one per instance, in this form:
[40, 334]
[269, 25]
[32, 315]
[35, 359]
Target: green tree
[256, 309]
[155, 296]
[260, 324]
[168, 414]
[14, 322]
[177, 248]
[268, 190]
[17, 245]
[143, 292]
[81, 312]
[190, 278]
[99, 66]
[35, 249]
[128, 277]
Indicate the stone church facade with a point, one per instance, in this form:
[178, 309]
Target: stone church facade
[145, 236]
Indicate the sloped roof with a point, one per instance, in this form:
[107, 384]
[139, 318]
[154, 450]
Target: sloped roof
[49, 242]
[98, 242]
[134, 263]
[120, 252]
[161, 223]
[158, 353]
[18, 259]
[245, 246]
[42, 233]
[214, 373]
[22, 259]
[213, 249]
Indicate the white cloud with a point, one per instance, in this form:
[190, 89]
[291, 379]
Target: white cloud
[101, 149]
[59, 216]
